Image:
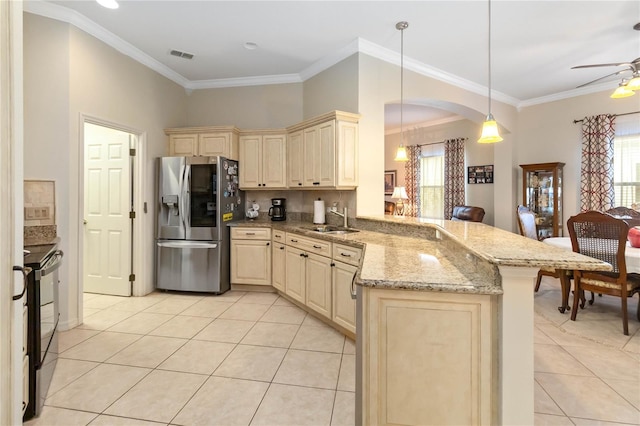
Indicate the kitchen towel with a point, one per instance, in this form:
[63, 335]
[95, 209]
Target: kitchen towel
[318, 211]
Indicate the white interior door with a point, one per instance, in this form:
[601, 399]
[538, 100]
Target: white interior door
[107, 203]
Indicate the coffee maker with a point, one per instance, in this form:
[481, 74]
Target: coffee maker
[278, 210]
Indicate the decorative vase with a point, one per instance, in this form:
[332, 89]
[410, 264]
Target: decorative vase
[634, 236]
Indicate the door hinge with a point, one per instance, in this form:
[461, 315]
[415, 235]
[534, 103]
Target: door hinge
[132, 215]
[132, 277]
[132, 152]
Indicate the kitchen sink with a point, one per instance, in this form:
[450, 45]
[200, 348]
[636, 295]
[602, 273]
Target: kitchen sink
[328, 229]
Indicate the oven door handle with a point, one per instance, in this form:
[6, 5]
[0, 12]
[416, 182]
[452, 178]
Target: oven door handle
[50, 267]
[25, 271]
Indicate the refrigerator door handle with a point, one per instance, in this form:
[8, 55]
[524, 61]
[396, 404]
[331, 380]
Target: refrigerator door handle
[187, 244]
[181, 202]
[186, 185]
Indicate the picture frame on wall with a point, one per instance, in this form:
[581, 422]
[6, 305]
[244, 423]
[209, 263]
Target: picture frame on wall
[389, 181]
[480, 174]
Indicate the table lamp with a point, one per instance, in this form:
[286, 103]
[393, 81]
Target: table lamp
[400, 194]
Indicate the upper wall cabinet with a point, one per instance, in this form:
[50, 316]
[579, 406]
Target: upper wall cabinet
[204, 141]
[323, 152]
[263, 159]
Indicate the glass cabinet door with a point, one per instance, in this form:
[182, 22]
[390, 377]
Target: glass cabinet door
[542, 194]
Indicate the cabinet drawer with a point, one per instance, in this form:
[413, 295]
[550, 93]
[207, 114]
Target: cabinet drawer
[251, 233]
[279, 236]
[347, 254]
[322, 248]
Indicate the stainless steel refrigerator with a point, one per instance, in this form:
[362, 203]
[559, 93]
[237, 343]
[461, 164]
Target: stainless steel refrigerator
[197, 198]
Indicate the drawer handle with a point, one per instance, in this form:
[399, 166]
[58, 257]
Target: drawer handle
[316, 183]
[345, 255]
[278, 236]
[250, 233]
[317, 247]
[353, 287]
[299, 183]
[294, 241]
[282, 248]
[268, 243]
[25, 272]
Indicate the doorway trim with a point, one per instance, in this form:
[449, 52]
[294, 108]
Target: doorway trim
[138, 249]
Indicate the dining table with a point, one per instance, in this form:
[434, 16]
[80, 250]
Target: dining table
[631, 255]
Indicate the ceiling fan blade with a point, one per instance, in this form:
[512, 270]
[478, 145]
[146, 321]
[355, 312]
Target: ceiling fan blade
[619, 64]
[602, 78]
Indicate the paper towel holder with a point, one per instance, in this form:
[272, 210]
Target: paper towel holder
[318, 212]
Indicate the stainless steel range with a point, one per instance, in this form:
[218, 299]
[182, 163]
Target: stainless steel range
[42, 323]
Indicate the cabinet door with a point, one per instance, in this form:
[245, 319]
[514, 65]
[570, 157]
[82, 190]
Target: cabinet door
[251, 262]
[295, 159]
[311, 157]
[279, 258]
[294, 274]
[326, 160]
[318, 283]
[212, 144]
[274, 161]
[250, 162]
[183, 145]
[347, 155]
[343, 310]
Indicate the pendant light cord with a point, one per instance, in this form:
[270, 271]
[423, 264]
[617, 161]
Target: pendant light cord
[489, 65]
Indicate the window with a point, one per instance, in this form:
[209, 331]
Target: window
[432, 186]
[626, 162]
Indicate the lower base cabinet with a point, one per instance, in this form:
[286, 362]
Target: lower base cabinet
[343, 310]
[295, 274]
[278, 266]
[414, 342]
[250, 262]
[318, 283]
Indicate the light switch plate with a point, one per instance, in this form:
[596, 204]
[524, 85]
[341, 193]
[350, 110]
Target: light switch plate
[37, 213]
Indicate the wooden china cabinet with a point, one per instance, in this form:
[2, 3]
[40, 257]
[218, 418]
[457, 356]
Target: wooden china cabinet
[542, 194]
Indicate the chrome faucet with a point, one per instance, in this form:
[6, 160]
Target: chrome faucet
[343, 215]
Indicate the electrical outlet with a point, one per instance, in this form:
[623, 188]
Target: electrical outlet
[37, 213]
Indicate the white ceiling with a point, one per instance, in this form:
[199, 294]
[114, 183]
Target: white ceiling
[534, 43]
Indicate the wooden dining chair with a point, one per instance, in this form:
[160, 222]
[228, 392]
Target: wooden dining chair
[527, 226]
[603, 237]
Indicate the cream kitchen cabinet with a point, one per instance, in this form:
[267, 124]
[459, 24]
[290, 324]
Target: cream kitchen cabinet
[308, 272]
[204, 141]
[326, 147]
[263, 160]
[278, 261]
[295, 160]
[346, 260]
[448, 337]
[251, 256]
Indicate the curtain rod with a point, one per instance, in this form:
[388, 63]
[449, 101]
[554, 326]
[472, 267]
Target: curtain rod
[612, 115]
[435, 143]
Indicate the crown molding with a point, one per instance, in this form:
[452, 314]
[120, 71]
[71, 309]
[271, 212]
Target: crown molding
[244, 81]
[60, 13]
[430, 123]
[569, 94]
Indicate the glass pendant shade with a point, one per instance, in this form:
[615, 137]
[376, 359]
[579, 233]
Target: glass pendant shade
[634, 84]
[622, 92]
[490, 132]
[401, 154]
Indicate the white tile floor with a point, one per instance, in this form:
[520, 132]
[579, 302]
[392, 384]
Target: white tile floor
[253, 358]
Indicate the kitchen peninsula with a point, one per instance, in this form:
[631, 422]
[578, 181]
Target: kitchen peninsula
[444, 319]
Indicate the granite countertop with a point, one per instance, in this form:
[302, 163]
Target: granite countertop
[463, 258]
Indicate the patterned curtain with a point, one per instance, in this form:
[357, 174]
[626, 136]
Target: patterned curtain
[453, 175]
[596, 172]
[412, 181]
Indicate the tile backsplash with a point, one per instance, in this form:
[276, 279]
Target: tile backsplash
[39, 202]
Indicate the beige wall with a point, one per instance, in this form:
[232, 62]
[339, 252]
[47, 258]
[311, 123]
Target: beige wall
[379, 84]
[69, 73]
[252, 107]
[333, 89]
[475, 155]
[548, 134]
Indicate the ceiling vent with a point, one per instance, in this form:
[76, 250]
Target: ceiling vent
[180, 54]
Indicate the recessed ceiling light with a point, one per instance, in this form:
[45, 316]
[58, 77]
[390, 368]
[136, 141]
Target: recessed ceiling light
[250, 45]
[109, 4]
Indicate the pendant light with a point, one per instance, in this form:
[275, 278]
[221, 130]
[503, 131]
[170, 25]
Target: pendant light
[401, 153]
[490, 132]
[622, 91]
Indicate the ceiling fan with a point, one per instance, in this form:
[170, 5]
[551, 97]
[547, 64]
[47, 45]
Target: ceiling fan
[633, 67]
